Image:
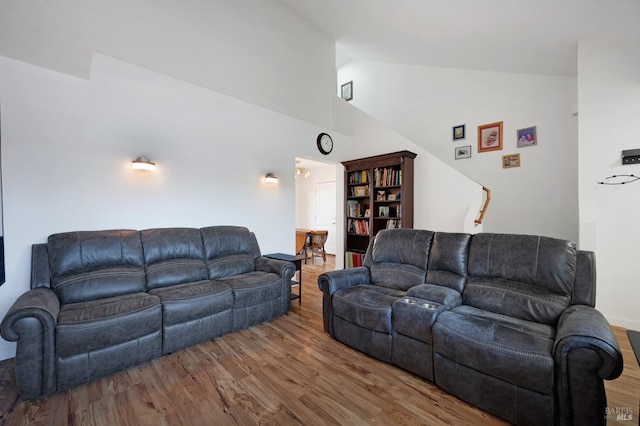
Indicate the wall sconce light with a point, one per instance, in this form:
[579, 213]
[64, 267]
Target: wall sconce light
[143, 163]
[271, 178]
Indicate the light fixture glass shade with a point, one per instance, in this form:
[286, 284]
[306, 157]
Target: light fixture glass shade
[143, 163]
[271, 178]
[302, 171]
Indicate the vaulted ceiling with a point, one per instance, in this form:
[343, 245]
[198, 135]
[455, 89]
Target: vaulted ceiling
[522, 36]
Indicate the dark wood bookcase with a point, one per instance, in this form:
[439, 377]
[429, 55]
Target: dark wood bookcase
[378, 195]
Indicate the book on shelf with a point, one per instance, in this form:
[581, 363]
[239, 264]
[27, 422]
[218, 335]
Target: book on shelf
[353, 208]
[393, 224]
[387, 176]
[354, 259]
[361, 176]
[359, 227]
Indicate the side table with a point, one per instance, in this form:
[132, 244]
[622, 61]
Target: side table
[297, 261]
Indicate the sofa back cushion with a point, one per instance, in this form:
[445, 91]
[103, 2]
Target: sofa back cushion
[448, 260]
[398, 258]
[523, 276]
[173, 256]
[88, 265]
[229, 250]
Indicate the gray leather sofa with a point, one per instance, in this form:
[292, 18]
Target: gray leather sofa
[103, 301]
[504, 322]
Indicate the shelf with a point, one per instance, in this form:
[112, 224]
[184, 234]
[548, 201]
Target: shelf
[378, 176]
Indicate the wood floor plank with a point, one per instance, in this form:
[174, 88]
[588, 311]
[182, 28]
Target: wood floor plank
[284, 372]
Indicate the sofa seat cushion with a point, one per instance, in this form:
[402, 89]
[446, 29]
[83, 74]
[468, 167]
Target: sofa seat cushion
[90, 326]
[189, 301]
[253, 288]
[510, 349]
[368, 306]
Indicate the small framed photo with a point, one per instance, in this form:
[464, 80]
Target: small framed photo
[463, 152]
[346, 91]
[458, 132]
[383, 211]
[527, 137]
[511, 160]
[490, 137]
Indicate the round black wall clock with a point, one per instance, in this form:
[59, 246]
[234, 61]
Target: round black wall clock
[325, 143]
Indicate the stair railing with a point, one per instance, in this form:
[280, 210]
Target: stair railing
[483, 210]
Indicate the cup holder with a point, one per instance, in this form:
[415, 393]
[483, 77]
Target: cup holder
[413, 301]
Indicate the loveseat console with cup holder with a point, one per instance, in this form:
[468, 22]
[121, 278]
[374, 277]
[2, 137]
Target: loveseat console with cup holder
[505, 322]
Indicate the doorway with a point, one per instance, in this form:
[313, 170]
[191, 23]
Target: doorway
[316, 198]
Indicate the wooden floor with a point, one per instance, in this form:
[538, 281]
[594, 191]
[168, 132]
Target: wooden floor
[284, 372]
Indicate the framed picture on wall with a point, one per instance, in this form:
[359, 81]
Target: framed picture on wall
[490, 137]
[458, 132]
[463, 152]
[527, 137]
[346, 91]
[511, 160]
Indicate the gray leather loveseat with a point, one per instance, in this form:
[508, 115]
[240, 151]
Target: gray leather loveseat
[504, 322]
[103, 301]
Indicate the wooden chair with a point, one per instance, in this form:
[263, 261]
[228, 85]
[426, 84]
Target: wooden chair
[315, 245]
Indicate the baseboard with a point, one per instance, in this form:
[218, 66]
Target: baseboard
[624, 322]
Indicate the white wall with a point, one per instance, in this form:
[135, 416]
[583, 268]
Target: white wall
[424, 103]
[243, 48]
[442, 196]
[609, 107]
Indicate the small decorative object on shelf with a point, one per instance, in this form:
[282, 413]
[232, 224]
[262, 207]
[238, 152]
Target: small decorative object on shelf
[374, 199]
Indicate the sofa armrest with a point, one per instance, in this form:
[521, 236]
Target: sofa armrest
[332, 281]
[585, 353]
[285, 270]
[31, 322]
[280, 267]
